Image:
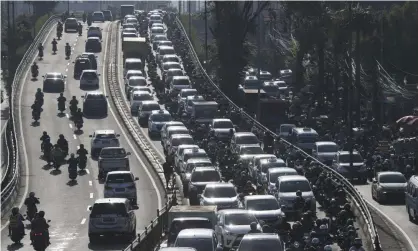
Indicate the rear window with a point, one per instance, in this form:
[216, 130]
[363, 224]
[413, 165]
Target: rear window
[181, 82]
[188, 93]
[171, 59]
[108, 208]
[205, 176]
[95, 97]
[112, 153]
[131, 21]
[97, 14]
[105, 136]
[125, 34]
[142, 97]
[137, 82]
[89, 75]
[247, 140]
[133, 65]
[177, 226]
[71, 21]
[171, 66]
[119, 178]
[175, 73]
[161, 117]
[182, 141]
[167, 51]
[295, 185]
[151, 107]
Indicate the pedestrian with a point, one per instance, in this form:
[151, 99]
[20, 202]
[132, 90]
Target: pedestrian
[168, 171]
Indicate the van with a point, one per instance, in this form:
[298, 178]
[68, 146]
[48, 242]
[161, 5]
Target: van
[198, 238]
[325, 151]
[204, 111]
[304, 138]
[411, 198]
[172, 130]
[111, 216]
[188, 106]
[164, 50]
[286, 130]
[287, 186]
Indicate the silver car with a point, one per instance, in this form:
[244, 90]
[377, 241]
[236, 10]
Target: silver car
[388, 185]
[264, 207]
[223, 195]
[121, 184]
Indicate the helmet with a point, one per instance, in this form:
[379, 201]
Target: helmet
[72, 155]
[32, 194]
[298, 193]
[323, 227]
[15, 210]
[34, 63]
[41, 214]
[45, 133]
[347, 207]
[67, 44]
[53, 39]
[74, 97]
[40, 44]
[253, 225]
[61, 136]
[315, 241]
[357, 241]
[328, 248]
[81, 145]
[79, 110]
[39, 90]
[61, 94]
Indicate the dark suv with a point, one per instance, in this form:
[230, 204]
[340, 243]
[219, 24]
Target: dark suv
[93, 44]
[95, 104]
[108, 15]
[70, 24]
[81, 64]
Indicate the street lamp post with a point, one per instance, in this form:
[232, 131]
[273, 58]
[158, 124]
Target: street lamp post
[206, 32]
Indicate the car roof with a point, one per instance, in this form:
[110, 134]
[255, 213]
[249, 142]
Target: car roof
[304, 130]
[90, 70]
[133, 60]
[113, 147]
[222, 120]
[170, 55]
[239, 134]
[181, 136]
[158, 112]
[94, 93]
[199, 102]
[174, 123]
[185, 146]
[162, 47]
[104, 132]
[188, 90]
[161, 35]
[281, 170]
[192, 150]
[234, 211]
[93, 38]
[259, 197]
[71, 18]
[205, 169]
[98, 12]
[176, 249]
[198, 160]
[261, 236]
[118, 172]
[133, 71]
[293, 178]
[389, 173]
[347, 152]
[137, 77]
[264, 161]
[325, 143]
[171, 63]
[110, 200]
[53, 74]
[150, 102]
[196, 233]
[177, 128]
[180, 77]
[214, 185]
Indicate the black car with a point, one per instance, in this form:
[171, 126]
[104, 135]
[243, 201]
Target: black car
[70, 24]
[81, 64]
[92, 58]
[93, 44]
[95, 104]
[108, 15]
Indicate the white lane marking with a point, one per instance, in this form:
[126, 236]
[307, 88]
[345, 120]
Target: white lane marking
[74, 136]
[91, 195]
[25, 154]
[126, 136]
[68, 63]
[410, 243]
[83, 221]
[87, 171]
[90, 183]
[71, 126]
[67, 115]
[66, 70]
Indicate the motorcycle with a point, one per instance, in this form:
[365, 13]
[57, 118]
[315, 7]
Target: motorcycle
[67, 53]
[17, 235]
[54, 48]
[73, 109]
[78, 125]
[39, 242]
[72, 175]
[88, 22]
[40, 100]
[84, 19]
[61, 106]
[82, 162]
[31, 212]
[56, 162]
[59, 35]
[35, 73]
[36, 115]
[41, 54]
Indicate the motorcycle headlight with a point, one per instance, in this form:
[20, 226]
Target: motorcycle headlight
[296, 244]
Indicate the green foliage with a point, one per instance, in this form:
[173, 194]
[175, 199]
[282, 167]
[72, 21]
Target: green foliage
[197, 43]
[40, 22]
[42, 7]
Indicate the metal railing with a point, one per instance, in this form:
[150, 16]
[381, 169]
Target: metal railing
[5, 146]
[350, 189]
[10, 191]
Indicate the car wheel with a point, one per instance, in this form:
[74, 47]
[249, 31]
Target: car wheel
[411, 217]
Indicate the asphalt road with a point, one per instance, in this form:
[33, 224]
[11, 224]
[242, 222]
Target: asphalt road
[67, 205]
[395, 215]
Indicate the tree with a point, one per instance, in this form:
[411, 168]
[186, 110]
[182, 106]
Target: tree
[41, 8]
[233, 21]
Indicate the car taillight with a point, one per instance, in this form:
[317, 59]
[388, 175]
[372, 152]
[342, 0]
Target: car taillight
[38, 234]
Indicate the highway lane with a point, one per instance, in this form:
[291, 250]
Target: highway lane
[67, 205]
[395, 213]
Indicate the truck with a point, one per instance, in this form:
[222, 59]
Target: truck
[134, 47]
[126, 10]
[182, 217]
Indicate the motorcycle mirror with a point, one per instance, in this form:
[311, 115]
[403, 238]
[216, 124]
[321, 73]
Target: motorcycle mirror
[107, 96]
[49, 221]
[128, 153]
[90, 136]
[117, 135]
[136, 178]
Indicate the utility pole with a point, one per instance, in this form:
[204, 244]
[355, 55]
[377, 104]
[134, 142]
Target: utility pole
[258, 63]
[206, 32]
[350, 89]
[190, 20]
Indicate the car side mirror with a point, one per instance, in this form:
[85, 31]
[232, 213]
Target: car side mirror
[90, 208]
[136, 178]
[117, 135]
[90, 136]
[82, 96]
[128, 153]
[98, 74]
[43, 76]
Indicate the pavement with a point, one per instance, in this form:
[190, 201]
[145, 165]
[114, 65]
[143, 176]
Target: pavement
[67, 205]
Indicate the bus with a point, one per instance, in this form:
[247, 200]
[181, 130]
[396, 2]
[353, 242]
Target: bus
[126, 10]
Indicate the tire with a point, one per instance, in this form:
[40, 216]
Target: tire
[411, 217]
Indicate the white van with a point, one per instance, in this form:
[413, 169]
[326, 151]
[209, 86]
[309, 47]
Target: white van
[304, 138]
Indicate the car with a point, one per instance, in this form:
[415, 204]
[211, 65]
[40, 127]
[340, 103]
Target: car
[273, 174]
[198, 238]
[127, 25]
[54, 81]
[132, 82]
[109, 217]
[145, 109]
[168, 75]
[261, 241]
[157, 120]
[103, 138]
[89, 78]
[341, 164]
[131, 73]
[93, 44]
[287, 186]
[133, 21]
[70, 24]
[168, 125]
[325, 151]
[140, 89]
[221, 128]
[98, 16]
[388, 186]
[81, 64]
[113, 159]
[182, 96]
[129, 34]
[260, 171]
[136, 99]
[94, 31]
[130, 30]
[180, 151]
[133, 64]
[94, 103]
[173, 130]
[157, 40]
[178, 83]
[243, 138]
[179, 223]
[121, 184]
[107, 15]
[154, 18]
[222, 195]
[170, 57]
[157, 25]
[264, 207]
[286, 130]
[175, 140]
[163, 50]
[232, 225]
[193, 153]
[188, 103]
[92, 57]
[170, 65]
[156, 31]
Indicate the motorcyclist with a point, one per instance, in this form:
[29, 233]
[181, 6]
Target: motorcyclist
[39, 95]
[59, 27]
[47, 147]
[54, 45]
[31, 202]
[57, 153]
[283, 227]
[62, 143]
[344, 215]
[315, 245]
[268, 142]
[36, 107]
[333, 208]
[248, 188]
[16, 222]
[34, 68]
[296, 234]
[254, 228]
[43, 138]
[73, 105]
[307, 222]
[357, 245]
[82, 151]
[39, 224]
[84, 17]
[67, 49]
[78, 115]
[80, 28]
[298, 204]
[40, 48]
[61, 101]
[72, 163]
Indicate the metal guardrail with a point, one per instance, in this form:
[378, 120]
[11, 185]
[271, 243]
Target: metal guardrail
[9, 193]
[5, 145]
[358, 200]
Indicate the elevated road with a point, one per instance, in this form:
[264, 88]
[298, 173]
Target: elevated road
[67, 205]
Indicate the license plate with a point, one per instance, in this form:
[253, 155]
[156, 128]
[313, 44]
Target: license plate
[108, 220]
[120, 190]
[105, 141]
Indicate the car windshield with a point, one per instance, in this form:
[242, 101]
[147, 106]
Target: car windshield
[71, 21]
[185, 94]
[262, 204]
[251, 150]
[160, 38]
[108, 208]
[239, 219]
[220, 192]
[137, 82]
[175, 72]
[112, 153]
[223, 124]
[274, 176]
[183, 82]
[345, 158]
[200, 244]
[142, 97]
[172, 65]
[178, 131]
[134, 66]
[157, 30]
[89, 75]
[119, 178]
[96, 97]
[327, 148]
[295, 185]
[307, 138]
[105, 136]
[161, 117]
[205, 176]
[182, 141]
[392, 178]
[259, 244]
[247, 140]
[150, 107]
[91, 28]
[195, 155]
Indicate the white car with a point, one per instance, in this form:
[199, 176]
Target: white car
[103, 138]
[121, 184]
[232, 225]
[89, 78]
[157, 120]
[136, 99]
[221, 128]
[132, 82]
[145, 109]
